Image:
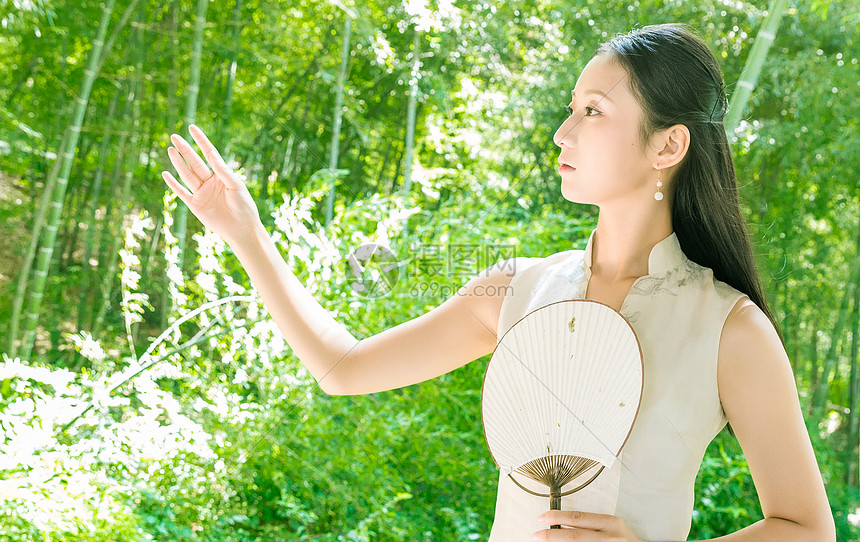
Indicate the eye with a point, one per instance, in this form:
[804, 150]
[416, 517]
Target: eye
[587, 110]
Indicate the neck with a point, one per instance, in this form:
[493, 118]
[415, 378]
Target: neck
[624, 238]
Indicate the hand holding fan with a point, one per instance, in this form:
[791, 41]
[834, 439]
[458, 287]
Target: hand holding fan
[561, 393]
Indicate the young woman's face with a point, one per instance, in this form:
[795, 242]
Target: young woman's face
[600, 139]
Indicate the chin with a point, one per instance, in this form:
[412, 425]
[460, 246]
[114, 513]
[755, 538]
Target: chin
[575, 196]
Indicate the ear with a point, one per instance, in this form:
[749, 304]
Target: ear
[671, 145]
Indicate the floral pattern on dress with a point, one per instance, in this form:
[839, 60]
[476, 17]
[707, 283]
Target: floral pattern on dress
[667, 283]
[646, 286]
[688, 272]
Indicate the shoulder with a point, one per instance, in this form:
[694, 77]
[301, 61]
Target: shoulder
[746, 330]
[746, 320]
[751, 358]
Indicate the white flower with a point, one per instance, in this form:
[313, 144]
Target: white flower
[129, 278]
[209, 262]
[128, 257]
[171, 255]
[130, 241]
[209, 242]
[10, 368]
[141, 222]
[231, 287]
[241, 376]
[207, 282]
[87, 346]
[174, 274]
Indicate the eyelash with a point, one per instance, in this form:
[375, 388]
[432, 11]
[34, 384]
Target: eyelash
[570, 110]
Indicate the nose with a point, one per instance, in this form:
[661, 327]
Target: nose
[566, 133]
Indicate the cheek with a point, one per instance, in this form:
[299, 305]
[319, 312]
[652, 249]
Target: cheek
[611, 153]
[619, 149]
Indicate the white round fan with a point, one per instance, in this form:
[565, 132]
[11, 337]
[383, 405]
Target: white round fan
[561, 393]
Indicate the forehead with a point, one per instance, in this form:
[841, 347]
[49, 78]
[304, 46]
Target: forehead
[607, 75]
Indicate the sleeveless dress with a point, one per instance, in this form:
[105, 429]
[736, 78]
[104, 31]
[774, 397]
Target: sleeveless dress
[677, 311]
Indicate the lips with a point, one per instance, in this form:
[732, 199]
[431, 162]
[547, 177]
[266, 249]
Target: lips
[563, 163]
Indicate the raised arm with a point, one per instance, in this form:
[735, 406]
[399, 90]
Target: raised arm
[461, 329]
[458, 331]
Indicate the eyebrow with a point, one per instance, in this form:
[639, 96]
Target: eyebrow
[593, 91]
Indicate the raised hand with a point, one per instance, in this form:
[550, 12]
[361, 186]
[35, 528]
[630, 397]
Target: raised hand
[218, 198]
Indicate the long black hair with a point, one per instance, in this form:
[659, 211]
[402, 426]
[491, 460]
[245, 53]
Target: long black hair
[676, 80]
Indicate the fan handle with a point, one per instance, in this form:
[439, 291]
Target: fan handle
[555, 501]
[555, 493]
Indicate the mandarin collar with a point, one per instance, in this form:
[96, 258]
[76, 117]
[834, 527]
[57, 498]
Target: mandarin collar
[665, 255]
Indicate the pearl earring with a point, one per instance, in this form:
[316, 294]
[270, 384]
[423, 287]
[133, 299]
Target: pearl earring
[658, 195]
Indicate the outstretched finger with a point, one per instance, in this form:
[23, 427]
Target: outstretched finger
[198, 166]
[214, 158]
[190, 178]
[183, 194]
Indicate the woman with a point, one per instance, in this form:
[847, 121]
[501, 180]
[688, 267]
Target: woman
[645, 143]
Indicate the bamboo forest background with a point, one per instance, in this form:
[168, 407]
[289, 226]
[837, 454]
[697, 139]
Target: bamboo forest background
[144, 393]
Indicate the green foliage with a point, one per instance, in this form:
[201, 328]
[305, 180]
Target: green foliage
[726, 500]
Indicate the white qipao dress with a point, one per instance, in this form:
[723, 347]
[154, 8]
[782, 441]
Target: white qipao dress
[677, 311]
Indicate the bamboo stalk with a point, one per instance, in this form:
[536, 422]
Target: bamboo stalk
[410, 125]
[338, 107]
[180, 219]
[231, 77]
[66, 157]
[35, 233]
[754, 63]
[86, 274]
